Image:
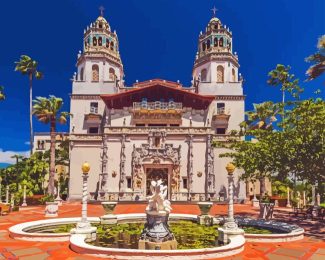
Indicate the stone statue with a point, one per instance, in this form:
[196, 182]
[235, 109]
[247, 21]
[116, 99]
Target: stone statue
[158, 201]
[156, 234]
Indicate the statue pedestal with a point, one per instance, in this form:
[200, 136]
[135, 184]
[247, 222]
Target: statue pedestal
[156, 234]
[108, 219]
[85, 229]
[205, 220]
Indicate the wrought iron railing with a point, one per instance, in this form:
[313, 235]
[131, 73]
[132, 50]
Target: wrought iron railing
[157, 105]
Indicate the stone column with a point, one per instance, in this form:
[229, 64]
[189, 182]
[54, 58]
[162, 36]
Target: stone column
[304, 197]
[84, 227]
[318, 200]
[24, 197]
[313, 192]
[122, 165]
[7, 194]
[190, 166]
[288, 198]
[58, 198]
[210, 167]
[104, 174]
[12, 201]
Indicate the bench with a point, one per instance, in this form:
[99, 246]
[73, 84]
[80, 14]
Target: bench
[305, 213]
[4, 208]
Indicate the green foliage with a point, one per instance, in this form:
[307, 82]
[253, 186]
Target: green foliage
[47, 198]
[256, 230]
[27, 66]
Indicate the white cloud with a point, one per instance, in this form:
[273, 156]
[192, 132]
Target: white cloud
[5, 156]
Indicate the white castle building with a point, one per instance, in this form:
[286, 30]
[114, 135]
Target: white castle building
[155, 129]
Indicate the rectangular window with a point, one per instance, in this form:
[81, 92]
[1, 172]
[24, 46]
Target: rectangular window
[141, 125]
[157, 125]
[185, 183]
[94, 107]
[174, 125]
[93, 130]
[220, 108]
[221, 131]
[129, 182]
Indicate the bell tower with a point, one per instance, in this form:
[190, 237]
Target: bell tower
[216, 66]
[99, 71]
[215, 72]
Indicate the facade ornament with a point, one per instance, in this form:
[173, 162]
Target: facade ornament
[104, 174]
[190, 164]
[122, 165]
[210, 166]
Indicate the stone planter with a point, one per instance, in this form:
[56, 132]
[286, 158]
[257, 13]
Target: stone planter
[51, 209]
[205, 207]
[109, 217]
[266, 210]
[109, 207]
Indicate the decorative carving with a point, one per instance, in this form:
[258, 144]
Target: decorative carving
[199, 174]
[190, 163]
[210, 166]
[104, 174]
[122, 164]
[114, 173]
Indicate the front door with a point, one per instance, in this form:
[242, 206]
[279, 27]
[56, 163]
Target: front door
[155, 174]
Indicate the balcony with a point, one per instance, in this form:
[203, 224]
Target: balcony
[221, 118]
[157, 112]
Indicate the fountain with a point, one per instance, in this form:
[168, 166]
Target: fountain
[156, 234]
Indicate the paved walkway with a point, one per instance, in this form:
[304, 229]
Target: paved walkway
[311, 247]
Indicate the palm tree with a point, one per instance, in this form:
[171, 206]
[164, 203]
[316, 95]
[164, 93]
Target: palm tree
[318, 58]
[47, 110]
[27, 66]
[2, 94]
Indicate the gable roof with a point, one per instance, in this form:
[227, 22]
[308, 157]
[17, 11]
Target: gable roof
[157, 90]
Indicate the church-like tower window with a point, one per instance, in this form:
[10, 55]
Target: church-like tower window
[111, 74]
[233, 75]
[112, 46]
[107, 43]
[100, 25]
[215, 42]
[221, 42]
[94, 41]
[220, 74]
[203, 46]
[208, 44]
[100, 41]
[216, 26]
[81, 74]
[203, 75]
[95, 73]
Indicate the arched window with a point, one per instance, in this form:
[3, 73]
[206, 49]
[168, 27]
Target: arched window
[112, 46]
[100, 41]
[94, 41]
[216, 26]
[233, 75]
[203, 46]
[95, 73]
[107, 43]
[111, 74]
[203, 75]
[100, 25]
[220, 74]
[221, 42]
[208, 44]
[82, 74]
[215, 42]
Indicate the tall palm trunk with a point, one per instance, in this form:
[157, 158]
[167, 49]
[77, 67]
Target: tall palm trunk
[52, 158]
[31, 112]
[283, 101]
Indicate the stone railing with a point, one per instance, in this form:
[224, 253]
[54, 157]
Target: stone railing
[169, 130]
[157, 105]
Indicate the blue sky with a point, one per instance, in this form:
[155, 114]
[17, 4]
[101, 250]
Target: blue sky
[158, 39]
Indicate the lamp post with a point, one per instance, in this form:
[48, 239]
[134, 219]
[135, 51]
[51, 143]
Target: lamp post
[230, 228]
[230, 223]
[288, 198]
[84, 226]
[0, 190]
[24, 195]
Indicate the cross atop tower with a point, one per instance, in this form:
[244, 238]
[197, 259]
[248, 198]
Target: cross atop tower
[214, 11]
[101, 10]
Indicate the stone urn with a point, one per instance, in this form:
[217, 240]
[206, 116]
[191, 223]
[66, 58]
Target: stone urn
[109, 217]
[266, 210]
[109, 207]
[204, 218]
[205, 207]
